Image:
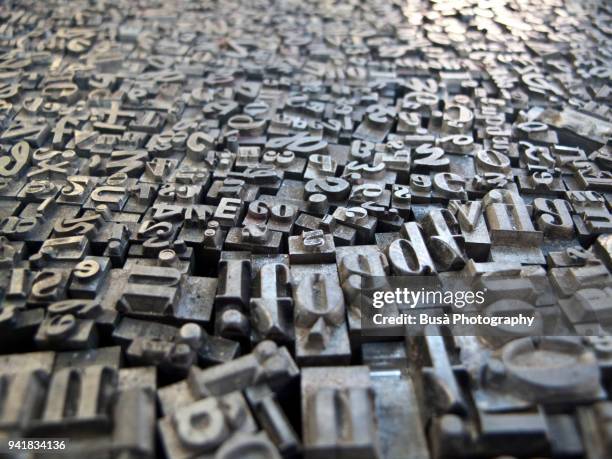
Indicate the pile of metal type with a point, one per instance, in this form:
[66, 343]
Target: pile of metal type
[193, 193]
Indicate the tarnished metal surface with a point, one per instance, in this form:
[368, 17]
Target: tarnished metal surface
[197, 198]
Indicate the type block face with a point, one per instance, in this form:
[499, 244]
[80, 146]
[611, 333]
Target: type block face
[338, 415]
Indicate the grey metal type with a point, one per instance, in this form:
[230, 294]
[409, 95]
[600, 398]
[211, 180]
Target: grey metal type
[199, 199]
